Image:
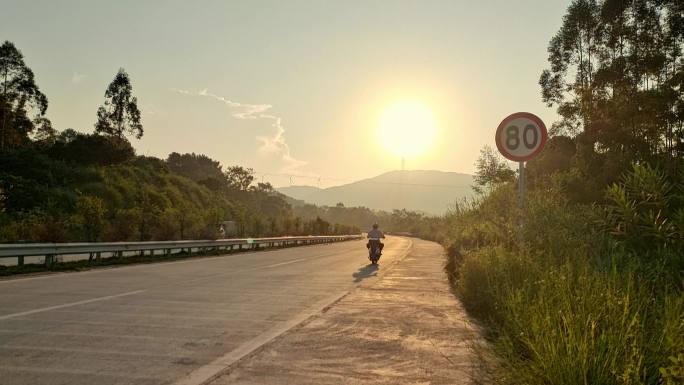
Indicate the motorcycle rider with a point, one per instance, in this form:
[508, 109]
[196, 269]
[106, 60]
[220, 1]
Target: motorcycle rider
[376, 234]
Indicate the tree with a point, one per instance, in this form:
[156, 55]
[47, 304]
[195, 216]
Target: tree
[44, 134]
[19, 96]
[616, 78]
[266, 188]
[239, 178]
[197, 167]
[87, 149]
[491, 171]
[90, 217]
[556, 157]
[119, 114]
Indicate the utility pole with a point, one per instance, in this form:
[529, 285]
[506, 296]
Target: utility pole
[401, 181]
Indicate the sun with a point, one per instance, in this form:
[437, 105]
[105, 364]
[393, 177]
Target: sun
[407, 128]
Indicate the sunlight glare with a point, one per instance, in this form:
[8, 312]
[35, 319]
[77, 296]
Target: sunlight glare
[407, 128]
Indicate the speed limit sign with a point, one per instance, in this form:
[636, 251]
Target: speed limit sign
[521, 136]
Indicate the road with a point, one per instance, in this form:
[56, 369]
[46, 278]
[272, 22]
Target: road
[169, 323]
[405, 329]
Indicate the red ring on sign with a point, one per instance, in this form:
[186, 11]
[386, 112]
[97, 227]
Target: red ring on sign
[504, 123]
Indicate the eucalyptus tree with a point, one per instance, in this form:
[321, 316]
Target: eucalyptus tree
[22, 104]
[119, 114]
[616, 76]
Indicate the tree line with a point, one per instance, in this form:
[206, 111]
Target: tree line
[74, 186]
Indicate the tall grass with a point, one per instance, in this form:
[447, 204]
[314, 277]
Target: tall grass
[576, 305]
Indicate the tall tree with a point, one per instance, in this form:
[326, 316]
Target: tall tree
[19, 97]
[616, 75]
[120, 113]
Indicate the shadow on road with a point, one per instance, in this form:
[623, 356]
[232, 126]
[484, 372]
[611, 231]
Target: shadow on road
[369, 270]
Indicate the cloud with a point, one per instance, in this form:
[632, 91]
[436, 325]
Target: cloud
[77, 78]
[274, 144]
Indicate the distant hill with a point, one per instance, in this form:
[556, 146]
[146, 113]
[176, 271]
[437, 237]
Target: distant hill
[428, 191]
[299, 192]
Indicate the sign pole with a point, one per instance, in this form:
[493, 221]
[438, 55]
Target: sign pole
[520, 137]
[521, 201]
[521, 184]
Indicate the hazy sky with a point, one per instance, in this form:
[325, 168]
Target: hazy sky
[206, 72]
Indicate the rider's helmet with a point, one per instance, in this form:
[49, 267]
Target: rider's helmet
[375, 225]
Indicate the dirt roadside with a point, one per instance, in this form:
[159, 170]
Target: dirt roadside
[406, 328]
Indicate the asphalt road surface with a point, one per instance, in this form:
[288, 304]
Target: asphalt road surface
[169, 323]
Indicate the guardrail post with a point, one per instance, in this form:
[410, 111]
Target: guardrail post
[20, 260]
[49, 260]
[98, 256]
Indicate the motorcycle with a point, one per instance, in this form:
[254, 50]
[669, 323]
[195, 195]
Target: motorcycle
[374, 250]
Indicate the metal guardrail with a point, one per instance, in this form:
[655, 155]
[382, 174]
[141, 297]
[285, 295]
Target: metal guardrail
[51, 250]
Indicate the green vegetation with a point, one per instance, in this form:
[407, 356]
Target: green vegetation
[403, 221]
[72, 186]
[49, 197]
[591, 289]
[595, 294]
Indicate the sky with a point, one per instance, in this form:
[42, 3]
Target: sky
[292, 87]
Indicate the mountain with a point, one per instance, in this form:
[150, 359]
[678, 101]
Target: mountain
[428, 191]
[299, 192]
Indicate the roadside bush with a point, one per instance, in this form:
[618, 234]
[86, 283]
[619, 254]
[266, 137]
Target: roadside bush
[645, 211]
[577, 304]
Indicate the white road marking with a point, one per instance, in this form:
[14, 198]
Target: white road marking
[23, 313]
[284, 263]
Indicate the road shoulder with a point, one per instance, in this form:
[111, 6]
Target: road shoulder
[406, 328]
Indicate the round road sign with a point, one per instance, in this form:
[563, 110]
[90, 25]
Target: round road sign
[521, 136]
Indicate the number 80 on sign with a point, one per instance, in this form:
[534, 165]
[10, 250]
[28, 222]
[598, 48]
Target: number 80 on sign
[521, 136]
